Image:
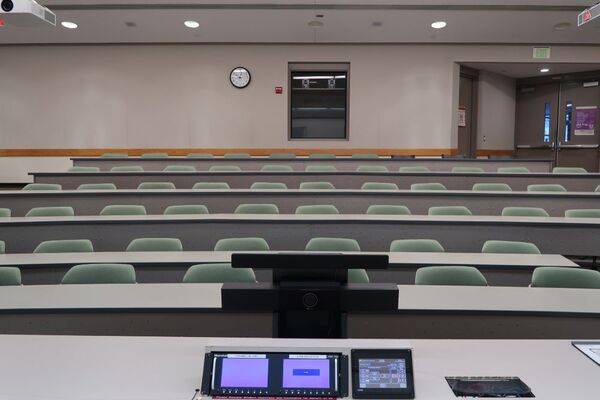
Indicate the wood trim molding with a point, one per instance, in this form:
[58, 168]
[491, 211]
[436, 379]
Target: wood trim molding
[491, 152]
[219, 152]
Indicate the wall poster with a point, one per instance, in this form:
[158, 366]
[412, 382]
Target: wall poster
[585, 120]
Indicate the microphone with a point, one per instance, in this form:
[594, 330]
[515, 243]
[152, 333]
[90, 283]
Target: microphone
[196, 391]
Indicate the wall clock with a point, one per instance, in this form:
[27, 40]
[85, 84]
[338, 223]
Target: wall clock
[240, 77]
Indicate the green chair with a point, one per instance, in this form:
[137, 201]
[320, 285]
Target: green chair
[156, 186]
[449, 210]
[86, 274]
[569, 170]
[5, 212]
[10, 276]
[589, 213]
[318, 209]
[65, 246]
[200, 155]
[508, 247]
[339, 244]
[179, 168]
[218, 273]
[376, 209]
[427, 186]
[256, 209]
[51, 212]
[320, 168]
[317, 186]
[322, 156]
[2, 247]
[282, 155]
[97, 186]
[467, 170]
[155, 244]
[550, 187]
[127, 168]
[416, 168]
[224, 168]
[268, 186]
[416, 246]
[379, 186]
[211, 186]
[84, 169]
[242, 244]
[276, 168]
[562, 277]
[186, 209]
[513, 170]
[114, 155]
[450, 276]
[42, 186]
[155, 155]
[362, 156]
[237, 155]
[128, 209]
[524, 212]
[491, 187]
[372, 168]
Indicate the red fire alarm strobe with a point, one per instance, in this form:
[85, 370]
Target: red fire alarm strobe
[2, 21]
[278, 90]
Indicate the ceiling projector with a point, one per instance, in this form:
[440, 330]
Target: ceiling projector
[25, 13]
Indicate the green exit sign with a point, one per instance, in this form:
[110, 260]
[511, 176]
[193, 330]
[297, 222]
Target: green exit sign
[541, 52]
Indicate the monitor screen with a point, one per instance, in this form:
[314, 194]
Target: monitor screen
[273, 374]
[382, 374]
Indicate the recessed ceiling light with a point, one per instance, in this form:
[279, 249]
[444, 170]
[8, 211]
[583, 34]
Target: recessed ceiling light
[563, 26]
[69, 25]
[192, 24]
[315, 24]
[439, 25]
[545, 70]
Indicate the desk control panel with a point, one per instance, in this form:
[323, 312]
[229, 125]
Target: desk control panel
[305, 375]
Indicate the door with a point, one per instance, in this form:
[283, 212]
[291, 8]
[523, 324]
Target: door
[465, 107]
[559, 121]
[577, 142]
[536, 121]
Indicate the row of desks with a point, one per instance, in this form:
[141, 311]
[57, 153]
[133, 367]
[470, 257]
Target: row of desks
[169, 267]
[347, 201]
[158, 368]
[566, 236]
[341, 180]
[298, 164]
[372, 310]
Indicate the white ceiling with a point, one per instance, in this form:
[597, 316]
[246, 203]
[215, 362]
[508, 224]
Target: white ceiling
[285, 21]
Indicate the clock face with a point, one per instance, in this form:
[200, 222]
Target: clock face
[240, 77]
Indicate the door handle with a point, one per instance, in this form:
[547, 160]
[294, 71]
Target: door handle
[552, 146]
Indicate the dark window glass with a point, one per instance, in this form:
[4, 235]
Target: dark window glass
[318, 101]
[568, 120]
[547, 122]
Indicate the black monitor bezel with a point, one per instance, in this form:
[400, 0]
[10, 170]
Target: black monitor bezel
[406, 354]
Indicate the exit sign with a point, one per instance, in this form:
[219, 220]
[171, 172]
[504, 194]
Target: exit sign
[588, 15]
[541, 52]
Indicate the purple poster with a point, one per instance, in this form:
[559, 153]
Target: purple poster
[306, 373]
[585, 120]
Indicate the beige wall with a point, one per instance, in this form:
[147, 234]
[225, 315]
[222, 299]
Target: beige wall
[496, 112]
[402, 96]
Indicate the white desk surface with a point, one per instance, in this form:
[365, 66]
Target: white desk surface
[166, 295]
[346, 218]
[191, 257]
[186, 295]
[491, 298]
[161, 368]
